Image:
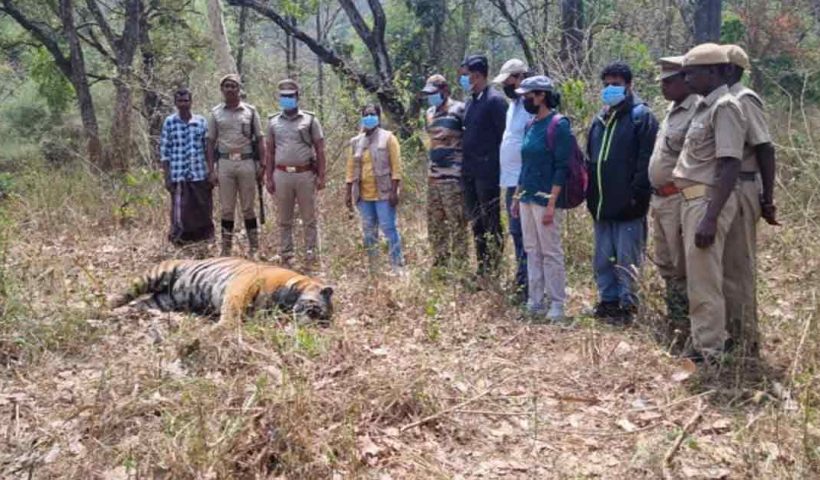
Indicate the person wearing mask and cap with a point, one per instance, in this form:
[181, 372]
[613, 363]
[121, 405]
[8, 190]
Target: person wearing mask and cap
[446, 223]
[295, 170]
[510, 77]
[619, 145]
[706, 174]
[484, 124]
[233, 126]
[373, 175]
[666, 199]
[757, 169]
[545, 153]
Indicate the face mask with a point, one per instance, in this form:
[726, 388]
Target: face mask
[287, 103]
[464, 81]
[530, 106]
[613, 95]
[370, 122]
[509, 91]
[435, 99]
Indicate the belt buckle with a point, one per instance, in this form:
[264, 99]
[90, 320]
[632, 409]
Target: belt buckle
[290, 169]
[235, 156]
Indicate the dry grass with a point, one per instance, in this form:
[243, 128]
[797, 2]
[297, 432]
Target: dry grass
[416, 379]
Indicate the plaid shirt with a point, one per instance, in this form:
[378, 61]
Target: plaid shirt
[183, 146]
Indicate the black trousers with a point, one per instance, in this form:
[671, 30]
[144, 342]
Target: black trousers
[483, 209]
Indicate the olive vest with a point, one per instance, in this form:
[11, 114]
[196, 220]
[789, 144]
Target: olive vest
[376, 143]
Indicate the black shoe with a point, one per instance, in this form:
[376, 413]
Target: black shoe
[605, 310]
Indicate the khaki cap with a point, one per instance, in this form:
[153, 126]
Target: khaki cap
[670, 66]
[232, 77]
[738, 56]
[434, 83]
[511, 67]
[705, 54]
[288, 87]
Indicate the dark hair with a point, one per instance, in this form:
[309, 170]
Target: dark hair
[182, 92]
[479, 67]
[617, 69]
[374, 106]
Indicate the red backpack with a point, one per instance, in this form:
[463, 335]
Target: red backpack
[575, 187]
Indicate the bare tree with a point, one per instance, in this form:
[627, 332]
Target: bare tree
[222, 49]
[572, 34]
[702, 18]
[514, 24]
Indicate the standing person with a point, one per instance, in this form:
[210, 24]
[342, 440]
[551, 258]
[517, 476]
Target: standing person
[484, 123]
[619, 145]
[707, 173]
[446, 223]
[545, 154]
[189, 178]
[666, 199]
[234, 136]
[756, 198]
[510, 77]
[295, 169]
[373, 177]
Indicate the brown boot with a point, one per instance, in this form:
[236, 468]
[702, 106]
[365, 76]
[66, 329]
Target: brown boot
[253, 243]
[227, 238]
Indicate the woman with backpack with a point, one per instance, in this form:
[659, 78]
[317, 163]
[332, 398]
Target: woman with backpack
[545, 154]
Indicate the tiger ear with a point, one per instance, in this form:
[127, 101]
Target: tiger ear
[326, 291]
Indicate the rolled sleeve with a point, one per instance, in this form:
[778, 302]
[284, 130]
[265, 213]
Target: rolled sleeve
[316, 132]
[563, 148]
[394, 150]
[757, 129]
[730, 131]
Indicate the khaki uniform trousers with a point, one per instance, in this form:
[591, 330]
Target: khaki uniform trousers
[741, 269]
[704, 274]
[293, 188]
[670, 258]
[446, 223]
[237, 178]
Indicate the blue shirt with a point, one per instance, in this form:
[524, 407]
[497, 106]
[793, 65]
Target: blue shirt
[541, 166]
[510, 154]
[182, 145]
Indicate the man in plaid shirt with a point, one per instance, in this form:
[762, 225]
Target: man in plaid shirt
[189, 178]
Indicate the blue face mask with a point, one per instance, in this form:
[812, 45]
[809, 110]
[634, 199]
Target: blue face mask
[464, 81]
[287, 103]
[435, 99]
[370, 122]
[613, 95]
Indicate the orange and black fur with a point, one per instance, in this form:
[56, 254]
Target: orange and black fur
[229, 287]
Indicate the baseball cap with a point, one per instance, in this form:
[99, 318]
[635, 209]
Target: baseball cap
[511, 67]
[538, 83]
[434, 83]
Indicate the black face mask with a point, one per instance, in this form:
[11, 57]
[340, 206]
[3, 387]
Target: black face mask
[509, 91]
[530, 106]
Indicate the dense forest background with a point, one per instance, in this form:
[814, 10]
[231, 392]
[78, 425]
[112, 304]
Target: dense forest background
[417, 378]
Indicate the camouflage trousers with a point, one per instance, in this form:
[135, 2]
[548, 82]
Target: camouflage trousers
[447, 224]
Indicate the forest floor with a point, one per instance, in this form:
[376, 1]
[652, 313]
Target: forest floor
[417, 378]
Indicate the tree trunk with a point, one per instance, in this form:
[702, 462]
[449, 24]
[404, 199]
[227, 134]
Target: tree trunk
[707, 21]
[126, 48]
[572, 34]
[320, 67]
[79, 81]
[151, 101]
[240, 50]
[225, 62]
[523, 42]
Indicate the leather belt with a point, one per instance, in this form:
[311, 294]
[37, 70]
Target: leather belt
[667, 190]
[693, 192]
[294, 168]
[242, 156]
[747, 176]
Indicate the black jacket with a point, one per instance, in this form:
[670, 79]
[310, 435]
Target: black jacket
[485, 119]
[619, 186]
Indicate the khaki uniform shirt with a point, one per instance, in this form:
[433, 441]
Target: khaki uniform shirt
[718, 129]
[294, 137]
[231, 127]
[757, 129]
[669, 142]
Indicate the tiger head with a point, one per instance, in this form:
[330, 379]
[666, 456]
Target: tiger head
[314, 302]
[304, 296]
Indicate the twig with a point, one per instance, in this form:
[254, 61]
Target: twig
[492, 413]
[675, 403]
[670, 454]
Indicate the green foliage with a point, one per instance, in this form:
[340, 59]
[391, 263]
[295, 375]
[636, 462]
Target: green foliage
[134, 193]
[51, 83]
[732, 30]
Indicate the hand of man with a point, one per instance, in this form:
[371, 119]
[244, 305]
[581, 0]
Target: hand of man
[349, 200]
[515, 209]
[260, 175]
[169, 185]
[549, 216]
[393, 199]
[769, 213]
[320, 182]
[213, 178]
[269, 184]
[705, 234]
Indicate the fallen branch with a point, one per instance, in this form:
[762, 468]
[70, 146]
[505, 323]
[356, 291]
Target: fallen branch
[670, 454]
[675, 403]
